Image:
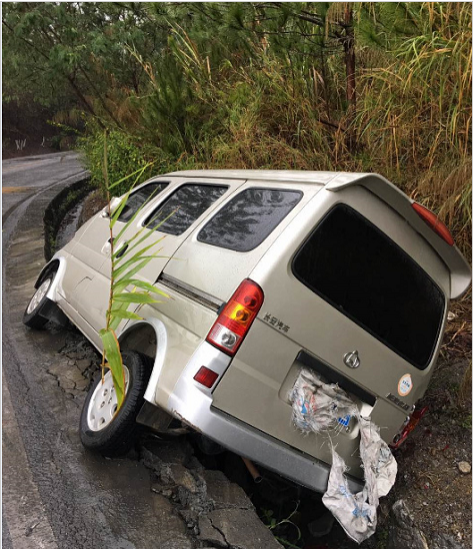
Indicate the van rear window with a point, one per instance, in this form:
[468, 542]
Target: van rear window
[139, 198]
[354, 266]
[248, 218]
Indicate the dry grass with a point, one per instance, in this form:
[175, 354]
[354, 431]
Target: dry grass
[464, 391]
[259, 108]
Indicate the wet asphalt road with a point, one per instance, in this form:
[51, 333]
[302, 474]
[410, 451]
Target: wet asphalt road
[23, 177]
[54, 493]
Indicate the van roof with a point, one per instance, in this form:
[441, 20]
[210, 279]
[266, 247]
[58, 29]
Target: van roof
[286, 176]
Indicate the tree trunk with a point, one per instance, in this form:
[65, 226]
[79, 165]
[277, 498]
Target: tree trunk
[350, 66]
[84, 101]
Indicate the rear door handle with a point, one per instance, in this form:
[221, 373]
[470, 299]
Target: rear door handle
[122, 250]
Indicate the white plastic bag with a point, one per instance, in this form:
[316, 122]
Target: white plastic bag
[357, 512]
[317, 407]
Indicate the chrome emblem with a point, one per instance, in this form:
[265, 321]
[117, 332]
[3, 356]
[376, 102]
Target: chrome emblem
[351, 359]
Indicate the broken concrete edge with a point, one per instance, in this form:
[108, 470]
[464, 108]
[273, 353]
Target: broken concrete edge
[77, 188]
[216, 511]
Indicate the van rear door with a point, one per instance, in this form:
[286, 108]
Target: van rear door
[348, 277]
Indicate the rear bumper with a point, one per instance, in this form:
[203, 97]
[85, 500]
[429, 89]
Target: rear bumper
[192, 403]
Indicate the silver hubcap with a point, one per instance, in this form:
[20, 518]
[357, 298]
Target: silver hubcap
[103, 404]
[38, 296]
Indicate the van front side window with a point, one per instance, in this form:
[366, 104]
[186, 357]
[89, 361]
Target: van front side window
[140, 197]
[183, 207]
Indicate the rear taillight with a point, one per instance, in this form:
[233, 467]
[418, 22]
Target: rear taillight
[236, 318]
[434, 223]
[408, 428]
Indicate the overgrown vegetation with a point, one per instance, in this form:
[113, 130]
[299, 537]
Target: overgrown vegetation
[382, 87]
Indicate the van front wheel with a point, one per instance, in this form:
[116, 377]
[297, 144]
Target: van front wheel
[102, 428]
[34, 315]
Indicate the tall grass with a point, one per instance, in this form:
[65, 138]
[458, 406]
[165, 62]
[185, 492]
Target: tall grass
[217, 102]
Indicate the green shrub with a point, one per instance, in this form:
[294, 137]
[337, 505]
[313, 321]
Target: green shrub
[125, 156]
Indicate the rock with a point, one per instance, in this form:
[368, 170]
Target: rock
[210, 534]
[191, 518]
[225, 494]
[169, 451]
[442, 541]
[72, 374]
[75, 393]
[403, 534]
[82, 384]
[218, 511]
[464, 467]
[73, 355]
[151, 460]
[240, 528]
[158, 488]
[83, 364]
[56, 369]
[66, 384]
[182, 477]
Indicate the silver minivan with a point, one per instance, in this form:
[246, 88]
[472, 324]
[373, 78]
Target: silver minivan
[266, 272]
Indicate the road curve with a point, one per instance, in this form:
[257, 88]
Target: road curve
[55, 494]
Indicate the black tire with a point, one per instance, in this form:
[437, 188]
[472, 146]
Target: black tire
[118, 437]
[34, 318]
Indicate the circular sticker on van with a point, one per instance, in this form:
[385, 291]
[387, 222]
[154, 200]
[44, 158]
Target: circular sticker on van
[404, 386]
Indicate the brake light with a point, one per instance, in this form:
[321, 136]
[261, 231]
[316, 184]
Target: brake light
[206, 377]
[408, 428]
[235, 320]
[434, 223]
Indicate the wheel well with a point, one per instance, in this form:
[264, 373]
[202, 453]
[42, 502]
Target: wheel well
[142, 339]
[52, 266]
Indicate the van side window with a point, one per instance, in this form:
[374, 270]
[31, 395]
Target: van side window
[249, 218]
[140, 197]
[183, 207]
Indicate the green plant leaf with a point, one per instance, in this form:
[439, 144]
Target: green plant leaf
[130, 249]
[114, 318]
[134, 297]
[114, 359]
[137, 258]
[116, 213]
[149, 232]
[118, 287]
[117, 315]
[138, 171]
[133, 271]
[124, 314]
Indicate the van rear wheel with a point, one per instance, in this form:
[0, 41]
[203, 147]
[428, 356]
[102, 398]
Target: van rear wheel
[102, 428]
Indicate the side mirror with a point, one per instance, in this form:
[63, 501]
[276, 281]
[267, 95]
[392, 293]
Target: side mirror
[114, 203]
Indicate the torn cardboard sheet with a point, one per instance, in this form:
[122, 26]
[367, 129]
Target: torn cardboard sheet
[318, 407]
